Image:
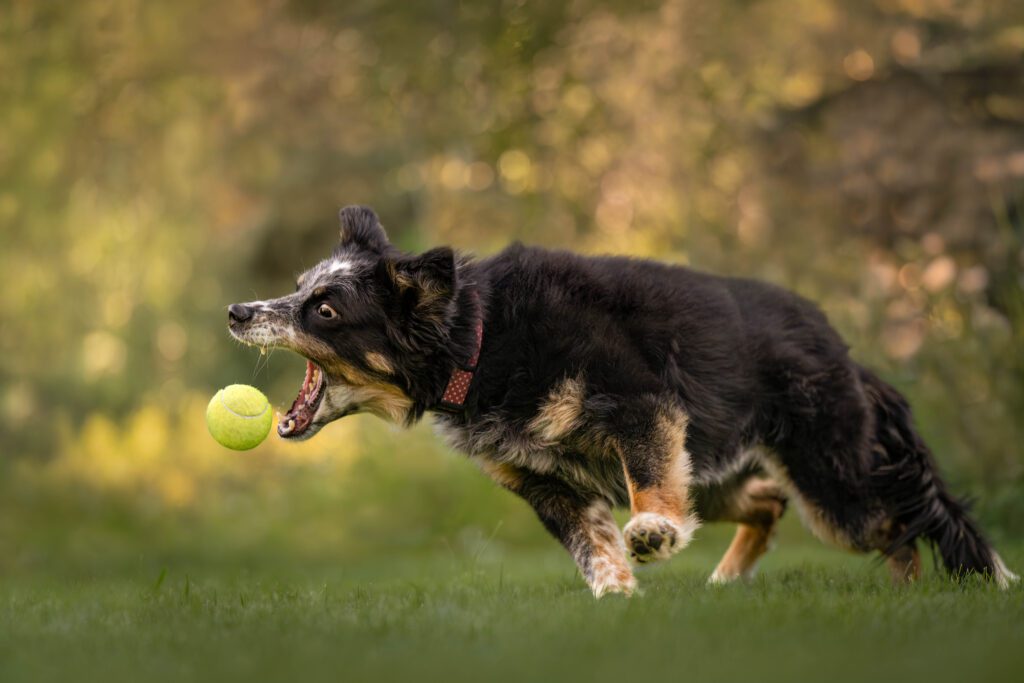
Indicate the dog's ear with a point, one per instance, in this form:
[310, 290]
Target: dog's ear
[424, 284]
[431, 275]
[361, 227]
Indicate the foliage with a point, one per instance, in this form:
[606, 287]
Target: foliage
[163, 159]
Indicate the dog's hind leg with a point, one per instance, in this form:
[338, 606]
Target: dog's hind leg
[904, 564]
[755, 505]
[581, 520]
[658, 476]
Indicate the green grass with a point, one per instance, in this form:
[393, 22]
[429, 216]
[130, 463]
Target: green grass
[812, 614]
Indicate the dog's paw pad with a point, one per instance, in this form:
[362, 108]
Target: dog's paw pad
[650, 536]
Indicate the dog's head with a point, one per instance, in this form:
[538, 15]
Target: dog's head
[367, 320]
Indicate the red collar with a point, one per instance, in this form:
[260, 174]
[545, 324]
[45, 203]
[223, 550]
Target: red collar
[454, 397]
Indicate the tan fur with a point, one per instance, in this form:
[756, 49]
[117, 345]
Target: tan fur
[402, 280]
[308, 346]
[504, 474]
[747, 547]
[383, 400]
[370, 394]
[755, 505]
[760, 502]
[378, 362]
[561, 413]
[671, 497]
[756, 508]
[904, 565]
[662, 521]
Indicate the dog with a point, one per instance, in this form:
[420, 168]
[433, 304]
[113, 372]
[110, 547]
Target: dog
[584, 383]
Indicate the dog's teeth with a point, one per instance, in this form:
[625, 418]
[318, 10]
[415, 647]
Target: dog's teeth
[288, 427]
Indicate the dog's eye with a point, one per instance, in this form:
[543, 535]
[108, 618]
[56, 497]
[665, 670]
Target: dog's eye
[326, 311]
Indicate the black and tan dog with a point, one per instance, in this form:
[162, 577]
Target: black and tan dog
[584, 383]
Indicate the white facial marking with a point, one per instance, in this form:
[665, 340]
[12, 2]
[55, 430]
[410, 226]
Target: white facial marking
[340, 266]
[260, 306]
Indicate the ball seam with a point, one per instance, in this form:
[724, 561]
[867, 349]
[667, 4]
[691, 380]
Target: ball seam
[236, 414]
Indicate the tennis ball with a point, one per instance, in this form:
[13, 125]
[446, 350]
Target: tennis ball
[239, 417]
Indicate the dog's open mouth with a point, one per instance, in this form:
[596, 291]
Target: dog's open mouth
[299, 417]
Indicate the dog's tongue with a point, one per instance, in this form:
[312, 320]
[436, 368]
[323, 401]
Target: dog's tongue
[300, 415]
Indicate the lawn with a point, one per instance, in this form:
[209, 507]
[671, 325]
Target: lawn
[812, 614]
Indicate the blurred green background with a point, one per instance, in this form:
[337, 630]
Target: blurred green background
[160, 160]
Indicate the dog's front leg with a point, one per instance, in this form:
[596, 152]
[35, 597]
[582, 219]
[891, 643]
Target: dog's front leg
[582, 521]
[657, 467]
[586, 528]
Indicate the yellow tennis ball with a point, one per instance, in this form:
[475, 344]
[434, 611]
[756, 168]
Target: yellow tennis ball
[239, 417]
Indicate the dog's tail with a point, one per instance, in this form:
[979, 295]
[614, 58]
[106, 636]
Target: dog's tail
[907, 480]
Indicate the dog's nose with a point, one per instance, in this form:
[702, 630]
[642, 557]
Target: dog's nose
[239, 313]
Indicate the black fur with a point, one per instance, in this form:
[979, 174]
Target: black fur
[361, 229]
[738, 364]
[904, 473]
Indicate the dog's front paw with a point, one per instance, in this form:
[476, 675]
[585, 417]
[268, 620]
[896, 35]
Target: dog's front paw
[611, 576]
[650, 536]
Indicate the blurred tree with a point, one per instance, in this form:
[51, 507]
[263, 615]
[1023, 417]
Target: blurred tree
[162, 159]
